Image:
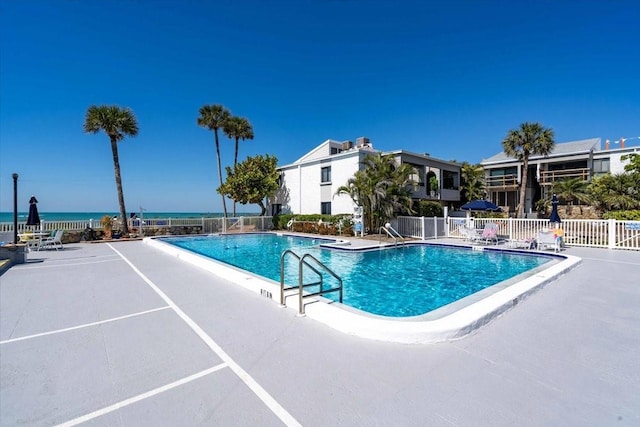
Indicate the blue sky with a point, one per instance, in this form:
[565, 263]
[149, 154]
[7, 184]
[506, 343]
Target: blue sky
[449, 78]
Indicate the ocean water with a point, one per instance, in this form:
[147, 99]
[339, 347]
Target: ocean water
[84, 216]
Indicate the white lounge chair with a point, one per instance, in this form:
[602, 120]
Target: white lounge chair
[470, 234]
[52, 241]
[548, 239]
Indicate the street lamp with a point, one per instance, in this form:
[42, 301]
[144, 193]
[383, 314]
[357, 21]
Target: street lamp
[15, 208]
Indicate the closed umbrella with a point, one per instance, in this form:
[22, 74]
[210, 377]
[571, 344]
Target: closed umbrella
[554, 218]
[34, 217]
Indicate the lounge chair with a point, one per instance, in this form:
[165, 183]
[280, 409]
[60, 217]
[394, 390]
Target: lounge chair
[549, 239]
[52, 241]
[490, 232]
[470, 234]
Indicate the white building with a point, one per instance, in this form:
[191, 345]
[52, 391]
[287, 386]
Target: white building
[309, 185]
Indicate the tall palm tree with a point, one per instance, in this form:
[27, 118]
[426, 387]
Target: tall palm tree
[472, 185]
[529, 139]
[213, 117]
[116, 122]
[237, 128]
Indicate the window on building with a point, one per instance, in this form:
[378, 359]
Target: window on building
[450, 180]
[280, 179]
[601, 166]
[325, 208]
[335, 150]
[276, 208]
[325, 174]
[502, 172]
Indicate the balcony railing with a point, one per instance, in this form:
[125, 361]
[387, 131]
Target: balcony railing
[503, 181]
[549, 177]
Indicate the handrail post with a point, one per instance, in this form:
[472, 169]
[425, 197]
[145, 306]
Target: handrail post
[300, 303]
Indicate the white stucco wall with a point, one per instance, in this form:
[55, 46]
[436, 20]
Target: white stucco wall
[616, 164]
[303, 192]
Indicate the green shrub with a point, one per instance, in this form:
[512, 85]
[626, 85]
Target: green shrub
[428, 208]
[331, 222]
[628, 215]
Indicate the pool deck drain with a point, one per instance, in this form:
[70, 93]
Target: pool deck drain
[566, 356]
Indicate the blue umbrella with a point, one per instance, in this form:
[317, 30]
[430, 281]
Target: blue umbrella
[480, 205]
[554, 210]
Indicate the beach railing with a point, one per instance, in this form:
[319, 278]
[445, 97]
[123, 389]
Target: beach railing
[207, 225]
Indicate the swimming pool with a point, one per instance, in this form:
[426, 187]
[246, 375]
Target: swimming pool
[394, 282]
[452, 321]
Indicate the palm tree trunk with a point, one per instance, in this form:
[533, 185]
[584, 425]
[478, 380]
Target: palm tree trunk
[235, 162]
[523, 186]
[116, 168]
[224, 203]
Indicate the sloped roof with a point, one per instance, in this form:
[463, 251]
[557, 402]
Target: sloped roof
[561, 149]
[319, 151]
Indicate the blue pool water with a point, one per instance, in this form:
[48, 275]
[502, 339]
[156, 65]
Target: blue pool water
[395, 282]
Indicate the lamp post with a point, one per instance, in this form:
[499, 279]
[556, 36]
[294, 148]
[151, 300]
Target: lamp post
[15, 208]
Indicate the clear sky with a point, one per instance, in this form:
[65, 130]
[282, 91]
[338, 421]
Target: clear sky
[446, 77]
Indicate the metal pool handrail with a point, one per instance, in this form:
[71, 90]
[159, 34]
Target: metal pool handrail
[386, 230]
[301, 285]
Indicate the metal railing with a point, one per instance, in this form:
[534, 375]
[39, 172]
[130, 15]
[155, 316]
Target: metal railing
[302, 262]
[391, 232]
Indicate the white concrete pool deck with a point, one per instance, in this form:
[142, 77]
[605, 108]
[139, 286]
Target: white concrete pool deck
[123, 334]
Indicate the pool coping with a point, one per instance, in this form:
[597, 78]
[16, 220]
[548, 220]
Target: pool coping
[422, 329]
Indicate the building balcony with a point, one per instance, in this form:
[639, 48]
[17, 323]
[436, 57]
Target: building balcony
[549, 177]
[501, 182]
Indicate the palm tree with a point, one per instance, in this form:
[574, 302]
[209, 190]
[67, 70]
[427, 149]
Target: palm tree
[116, 122]
[529, 139]
[237, 128]
[381, 189]
[571, 189]
[213, 117]
[472, 185]
[619, 191]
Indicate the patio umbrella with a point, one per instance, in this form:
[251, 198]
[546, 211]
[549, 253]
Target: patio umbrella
[554, 210]
[480, 205]
[34, 218]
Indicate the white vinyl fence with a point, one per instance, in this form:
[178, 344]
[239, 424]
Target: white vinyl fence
[208, 225]
[603, 233]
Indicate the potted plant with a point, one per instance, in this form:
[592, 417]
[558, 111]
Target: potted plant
[107, 226]
[433, 185]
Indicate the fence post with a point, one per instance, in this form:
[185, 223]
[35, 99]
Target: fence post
[612, 233]
[423, 228]
[511, 228]
[435, 226]
[447, 218]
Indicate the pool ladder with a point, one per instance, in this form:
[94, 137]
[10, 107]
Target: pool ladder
[391, 232]
[304, 261]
